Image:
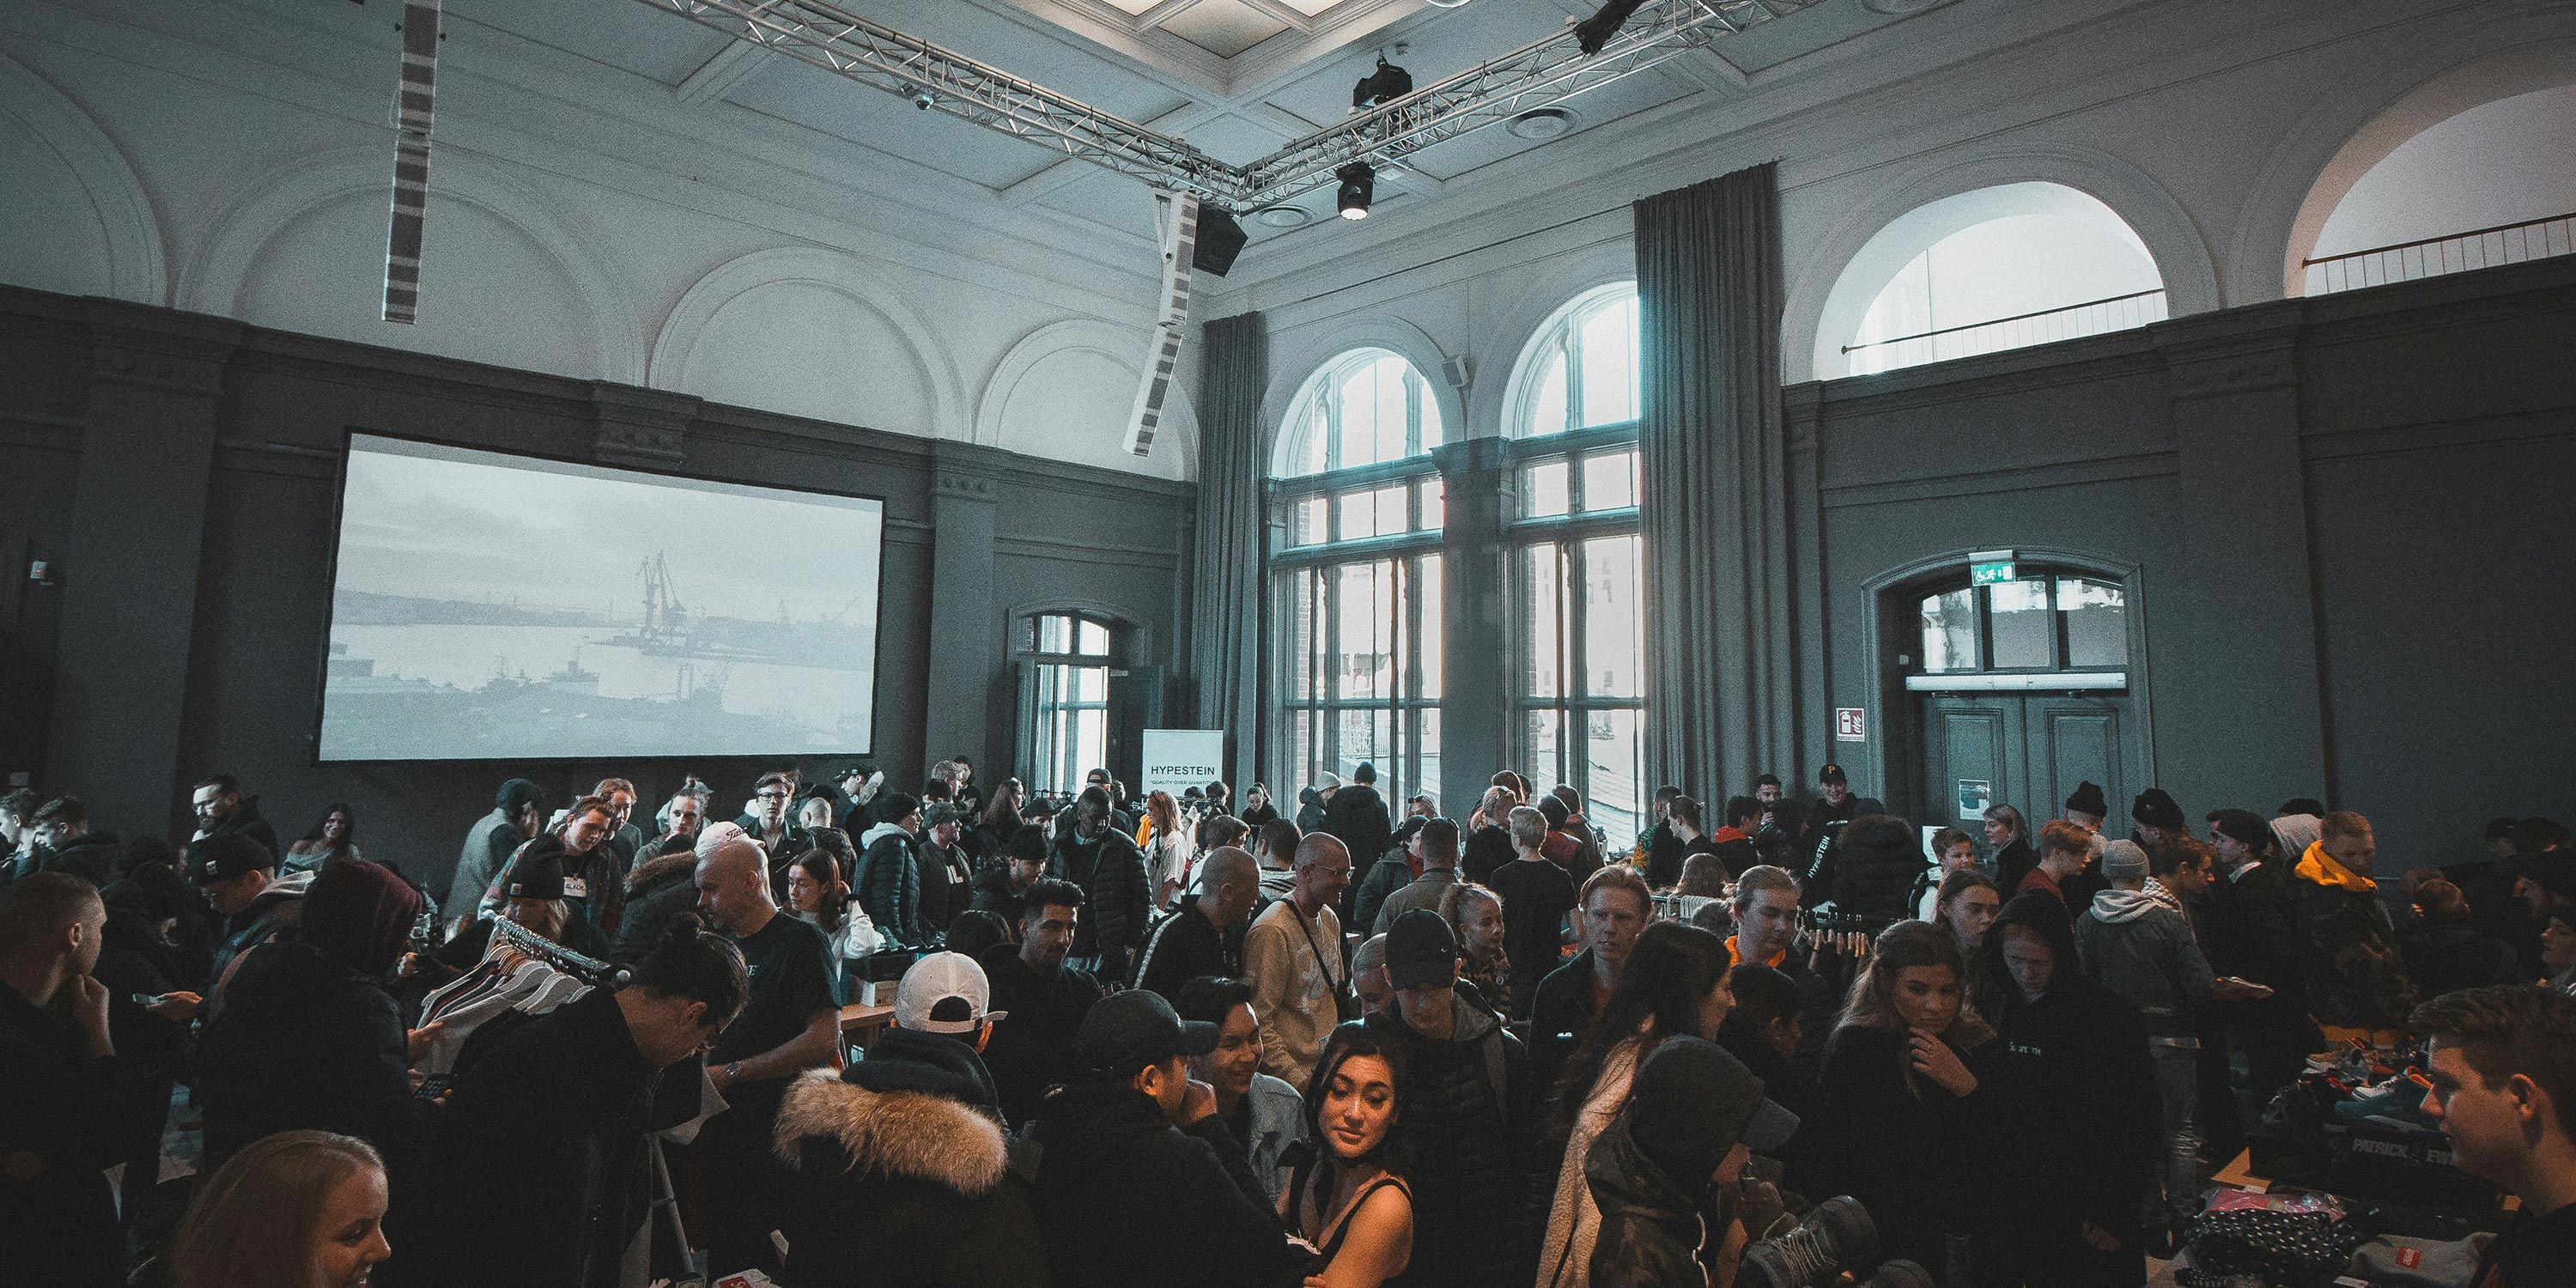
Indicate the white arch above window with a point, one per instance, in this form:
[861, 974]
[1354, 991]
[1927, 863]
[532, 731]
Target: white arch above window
[1980, 257]
[2506, 161]
[1367, 406]
[1579, 370]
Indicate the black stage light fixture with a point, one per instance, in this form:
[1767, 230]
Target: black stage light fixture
[1594, 32]
[1359, 188]
[1220, 239]
[1387, 83]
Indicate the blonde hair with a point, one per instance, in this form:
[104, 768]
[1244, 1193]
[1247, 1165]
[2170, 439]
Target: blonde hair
[258, 1220]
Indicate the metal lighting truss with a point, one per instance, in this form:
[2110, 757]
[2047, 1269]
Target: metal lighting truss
[1540, 74]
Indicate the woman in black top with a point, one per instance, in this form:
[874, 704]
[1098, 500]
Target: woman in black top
[1905, 1075]
[2074, 1107]
[1351, 1205]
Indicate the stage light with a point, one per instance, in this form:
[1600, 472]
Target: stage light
[1387, 83]
[1594, 32]
[1359, 188]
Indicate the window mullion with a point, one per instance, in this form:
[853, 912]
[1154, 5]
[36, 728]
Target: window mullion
[1573, 378]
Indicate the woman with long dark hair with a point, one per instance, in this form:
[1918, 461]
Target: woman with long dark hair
[1905, 1074]
[299, 1209]
[333, 838]
[1351, 1205]
[1674, 984]
[2074, 1105]
[308, 1036]
[818, 896]
[999, 823]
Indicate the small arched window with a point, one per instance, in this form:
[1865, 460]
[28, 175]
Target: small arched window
[1981, 272]
[2495, 184]
[1580, 372]
[1366, 407]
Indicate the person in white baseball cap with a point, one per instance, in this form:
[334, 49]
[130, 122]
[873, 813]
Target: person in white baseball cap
[947, 993]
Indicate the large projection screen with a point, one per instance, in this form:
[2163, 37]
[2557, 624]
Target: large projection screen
[487, 606]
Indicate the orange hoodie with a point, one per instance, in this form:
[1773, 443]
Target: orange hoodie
[2318, 866]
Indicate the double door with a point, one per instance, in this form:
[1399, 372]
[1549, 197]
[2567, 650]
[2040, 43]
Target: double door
[2027, 750]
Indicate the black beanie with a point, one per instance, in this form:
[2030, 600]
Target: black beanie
[1690, 1103]
[2088, 800]
[2243, 825]
[2156, 809]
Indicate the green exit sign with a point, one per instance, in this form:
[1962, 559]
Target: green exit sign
[1989, 567]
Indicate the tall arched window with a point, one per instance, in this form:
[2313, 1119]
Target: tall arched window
[1980, 272]
[2495, 184]
[1577, 595]
[1064, 698]
[1358, 584]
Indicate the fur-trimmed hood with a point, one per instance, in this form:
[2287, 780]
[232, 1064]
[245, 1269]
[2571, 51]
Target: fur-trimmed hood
[661, 867]
[905, 1135]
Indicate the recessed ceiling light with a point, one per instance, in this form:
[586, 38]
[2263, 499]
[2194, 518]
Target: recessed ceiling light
[1542, 123]
[1282, 217]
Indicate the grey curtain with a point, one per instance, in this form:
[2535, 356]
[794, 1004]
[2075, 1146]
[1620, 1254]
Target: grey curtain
[1225, 607]
[1720, 707]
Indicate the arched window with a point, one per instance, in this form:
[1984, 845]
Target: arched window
[1358, 582]
[2495, 184]
[1980, 272]
[1577, 594]
[1064, 697]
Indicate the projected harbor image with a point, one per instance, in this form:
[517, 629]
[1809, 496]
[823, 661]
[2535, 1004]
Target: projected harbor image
[497, 607]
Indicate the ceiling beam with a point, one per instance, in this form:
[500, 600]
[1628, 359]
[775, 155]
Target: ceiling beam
[731, 66]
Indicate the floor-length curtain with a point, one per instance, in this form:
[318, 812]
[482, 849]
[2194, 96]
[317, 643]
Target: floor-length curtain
[1720, 709]
[1225, 610]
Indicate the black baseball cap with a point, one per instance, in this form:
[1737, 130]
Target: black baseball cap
[1126, 1031]
[1832, 774]
[1420, 949]
[230, 854]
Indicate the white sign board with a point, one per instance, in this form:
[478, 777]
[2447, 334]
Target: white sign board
[1177, 760]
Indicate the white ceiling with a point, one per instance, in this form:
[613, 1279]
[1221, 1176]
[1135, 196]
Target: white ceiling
[1237, 78]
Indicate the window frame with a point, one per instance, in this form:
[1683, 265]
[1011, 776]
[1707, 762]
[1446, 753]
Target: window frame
[1044, 714]
[1568, 534]
[1317, 709]
[2061, 672]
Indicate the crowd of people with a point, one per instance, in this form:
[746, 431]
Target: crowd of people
[1189, 1040]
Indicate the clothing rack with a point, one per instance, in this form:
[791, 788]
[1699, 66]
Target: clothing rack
[589, 970]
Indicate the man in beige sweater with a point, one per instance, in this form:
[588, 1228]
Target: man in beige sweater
[1292, 957]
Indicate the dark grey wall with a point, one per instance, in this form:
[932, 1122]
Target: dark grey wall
[2348, 520]
[181, 471]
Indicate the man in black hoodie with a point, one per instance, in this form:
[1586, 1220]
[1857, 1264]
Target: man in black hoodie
[64, 843]
[1204, 935]
[65, 1097]
[222, 810]
[902, 1165]
[1141, 1184]
[240, 882]
[1358, 816]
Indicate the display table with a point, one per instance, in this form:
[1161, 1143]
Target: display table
[2240, 1173]
[861, 1022]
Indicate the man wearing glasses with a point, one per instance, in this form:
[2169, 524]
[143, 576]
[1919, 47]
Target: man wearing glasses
[779, 836]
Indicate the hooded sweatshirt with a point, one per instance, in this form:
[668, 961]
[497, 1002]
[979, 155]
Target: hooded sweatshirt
[2355, 973]
[1127, 1200]
[303, 1043]
[2143, 950]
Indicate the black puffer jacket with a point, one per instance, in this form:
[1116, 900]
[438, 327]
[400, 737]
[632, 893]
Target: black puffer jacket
[1357, 815]
[92, 858]
[1475, 1219]
[1126, 1200]
[902, 1174]
[1650, 1229]
[1876, 859]
[1117, 909]
[302, 1043]
[888, 885]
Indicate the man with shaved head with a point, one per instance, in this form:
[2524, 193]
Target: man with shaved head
[64, 1101]
[788, 1024]
[1204, 935]
[1292, 957]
